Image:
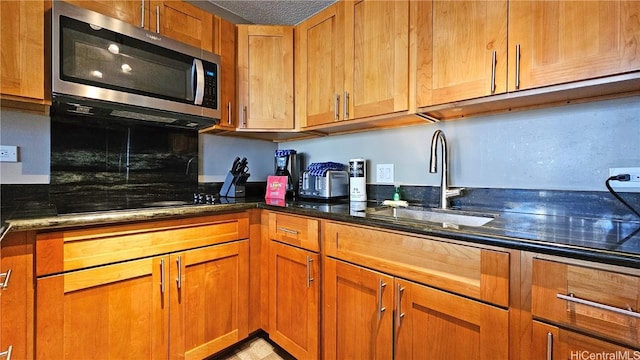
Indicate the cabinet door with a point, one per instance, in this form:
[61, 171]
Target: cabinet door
[16, 296]
[563, 41]
[550, 342]
[265, 77]
[358, 312]
[320, 67]
[183, 22]
[226, 39]
[376, 57]
[117, 311]
[133, 12]
[462, 50]
[294, 299]
[22, 52]
[433, 324]
[209, 299]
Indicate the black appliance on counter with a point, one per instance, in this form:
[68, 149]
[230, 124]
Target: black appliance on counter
[288, 163]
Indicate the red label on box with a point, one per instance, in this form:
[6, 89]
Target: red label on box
[276, 187]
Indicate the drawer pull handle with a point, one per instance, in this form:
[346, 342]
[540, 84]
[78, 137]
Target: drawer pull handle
[7, 353]
[5, 283]
[381, 309]
[549, 346]
[179, 265]
[309, 278]
[288, 231]
[572, 298]
[399, 304]
[162, 275]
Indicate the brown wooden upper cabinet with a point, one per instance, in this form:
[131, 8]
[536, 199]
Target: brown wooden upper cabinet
[265, 77]
[177, 20]
[461, 50]
[22, 37]
[225, 45]
[353, 62]
[553, 42]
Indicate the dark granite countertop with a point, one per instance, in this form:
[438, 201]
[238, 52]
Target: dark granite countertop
[590, 238]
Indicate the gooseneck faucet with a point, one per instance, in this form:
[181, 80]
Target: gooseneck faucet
[445, 192]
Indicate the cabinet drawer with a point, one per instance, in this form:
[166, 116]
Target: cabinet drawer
[588, 299]
[86, 247]
[295, 230]
[467, 270]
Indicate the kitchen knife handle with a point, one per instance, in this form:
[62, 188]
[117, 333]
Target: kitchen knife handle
[493, 72]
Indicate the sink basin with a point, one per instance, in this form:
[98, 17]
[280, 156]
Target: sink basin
[451, 217]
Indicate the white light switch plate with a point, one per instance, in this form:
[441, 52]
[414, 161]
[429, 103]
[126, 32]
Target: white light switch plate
[8, 153]
[384, 173]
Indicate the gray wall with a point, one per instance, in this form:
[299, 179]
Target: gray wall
[31, 134]
[561, 148]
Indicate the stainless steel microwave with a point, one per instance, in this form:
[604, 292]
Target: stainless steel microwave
[108, 68]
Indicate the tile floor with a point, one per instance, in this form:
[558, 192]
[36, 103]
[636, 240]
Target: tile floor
[255, 349]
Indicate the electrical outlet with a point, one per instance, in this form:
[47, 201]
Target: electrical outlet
[8, 153]
[384, 173]
[634, 182]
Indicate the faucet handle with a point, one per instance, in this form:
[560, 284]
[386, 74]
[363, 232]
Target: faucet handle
[454, 192]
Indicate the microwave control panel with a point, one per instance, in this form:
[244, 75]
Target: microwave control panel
[210, 98]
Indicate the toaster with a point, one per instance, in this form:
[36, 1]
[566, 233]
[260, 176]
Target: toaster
[333, 184]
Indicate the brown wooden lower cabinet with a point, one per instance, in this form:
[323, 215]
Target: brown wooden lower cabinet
[183, 305]
[550, 342]
[294, 300]
[371, 315]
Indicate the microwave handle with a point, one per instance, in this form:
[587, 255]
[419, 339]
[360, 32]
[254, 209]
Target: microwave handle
[197, 81]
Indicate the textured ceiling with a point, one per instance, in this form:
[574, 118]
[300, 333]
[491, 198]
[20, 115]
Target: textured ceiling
[280, 12]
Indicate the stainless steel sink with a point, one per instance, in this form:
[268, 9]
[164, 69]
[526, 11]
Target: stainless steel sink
[451, 217]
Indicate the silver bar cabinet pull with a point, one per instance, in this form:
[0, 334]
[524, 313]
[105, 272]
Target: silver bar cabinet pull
[162, 275]
[346, 105]
[179, 264]
[381, 308]
[309, 278]
[7, 352]
[572, 298]
[399, 304]
[244, 116]
[158, 19]
[549, 346]
[229, 113]
[518, 66]
[336, 105]
[5, 283]
[493, 72]
[142, 14]
[288, 231]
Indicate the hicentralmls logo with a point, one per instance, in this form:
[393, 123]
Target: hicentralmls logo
[613, 355]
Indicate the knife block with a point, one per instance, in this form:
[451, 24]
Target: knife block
[233, 186]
